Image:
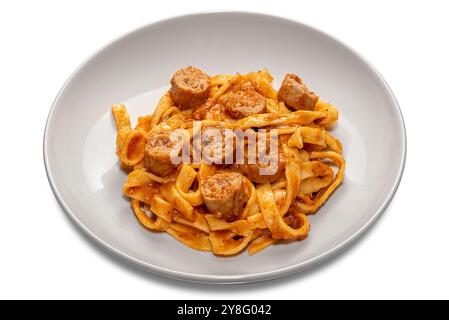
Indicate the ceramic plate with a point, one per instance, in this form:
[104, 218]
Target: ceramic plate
[79, 141]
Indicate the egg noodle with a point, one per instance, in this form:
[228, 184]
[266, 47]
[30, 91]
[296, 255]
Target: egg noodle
[276, 211]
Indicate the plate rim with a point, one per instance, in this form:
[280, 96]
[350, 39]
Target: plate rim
[226, 279]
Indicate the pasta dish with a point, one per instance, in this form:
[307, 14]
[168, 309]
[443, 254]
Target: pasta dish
[227, 163]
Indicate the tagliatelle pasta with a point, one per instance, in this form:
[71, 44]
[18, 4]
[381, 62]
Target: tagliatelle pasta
[289, 167]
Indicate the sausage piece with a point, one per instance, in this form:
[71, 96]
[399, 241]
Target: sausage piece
[295, 93]
[224, 194]
[243, 103]
[254, 173]
[190, 87]
[157, 154]
[213, 139]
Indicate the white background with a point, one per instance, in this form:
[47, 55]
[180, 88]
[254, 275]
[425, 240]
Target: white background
[42, 254]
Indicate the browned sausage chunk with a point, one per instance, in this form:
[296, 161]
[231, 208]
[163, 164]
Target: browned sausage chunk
[295, 93]
[273, 163]
[157, 154]
[225, 195]
[214, 139]
[243, 103]
[190, 87]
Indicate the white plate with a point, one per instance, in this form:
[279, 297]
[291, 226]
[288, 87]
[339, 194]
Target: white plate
[79, 141]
